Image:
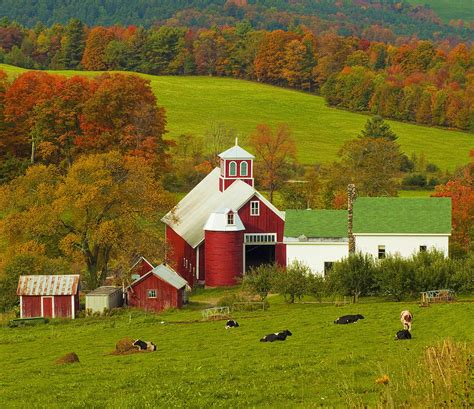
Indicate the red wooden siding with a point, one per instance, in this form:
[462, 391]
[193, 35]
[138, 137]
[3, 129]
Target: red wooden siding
[228, 182]
[224, 257]
[181, 256]
[267, 222]
[202, 261]
[142, 268]
[62, 304]
[167, 296]
[238, 162]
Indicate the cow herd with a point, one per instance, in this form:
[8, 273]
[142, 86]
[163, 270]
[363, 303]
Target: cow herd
[406, 317]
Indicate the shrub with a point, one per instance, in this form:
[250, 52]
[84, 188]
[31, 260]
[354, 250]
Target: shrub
[259, 280]
[353, 276]
[417, 180]
[316, 286]
[292, 282]
[395, 277]
[432, 270]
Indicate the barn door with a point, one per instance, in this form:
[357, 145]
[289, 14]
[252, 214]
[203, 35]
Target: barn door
[47, 306]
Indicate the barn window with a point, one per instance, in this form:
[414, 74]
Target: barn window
[230, 218]
[255, 208]
[232, 169]
[151, 293]
[422, 249]
[327, 267]
[381, 251]
[243, 169]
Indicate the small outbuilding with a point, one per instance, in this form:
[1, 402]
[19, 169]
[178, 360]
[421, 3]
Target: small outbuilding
[140, 267]
[106, 297]
[50, 296]
[158, 290]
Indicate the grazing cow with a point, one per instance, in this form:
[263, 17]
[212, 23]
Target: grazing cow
[403, 334]
[144, 345]
[277, 336]
[231, 324]
[406, 317]
[349, 319]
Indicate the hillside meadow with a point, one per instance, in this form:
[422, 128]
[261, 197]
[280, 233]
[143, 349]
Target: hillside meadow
[200, 364]
[449, 9]
[196, 104]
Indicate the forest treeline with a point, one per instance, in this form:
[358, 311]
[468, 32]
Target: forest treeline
[349, 18]
[419, 81]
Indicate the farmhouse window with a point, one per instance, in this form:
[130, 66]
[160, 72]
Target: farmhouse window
[255, 208]
[381, 251]
[232, 169]
[230, 218]
[243, 169]
[327, 267]
[151, 293]
[422, 249]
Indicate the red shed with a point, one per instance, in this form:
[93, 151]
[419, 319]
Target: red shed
[217, 256]
[141, 267]
[49, 296]
[157, 290]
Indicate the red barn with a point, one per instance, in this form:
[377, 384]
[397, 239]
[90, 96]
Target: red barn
[157, 290]
[224, 226]
[49, 296]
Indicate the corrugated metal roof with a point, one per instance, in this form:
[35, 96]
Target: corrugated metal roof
[105, 290]
[236, 152]
[167, 274]
[194, 209]
[48, 285]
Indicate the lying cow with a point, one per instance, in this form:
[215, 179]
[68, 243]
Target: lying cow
[349, 319]
[403, 334]
[277, 336]
[144, 345]
[406, 317]
[231, 324]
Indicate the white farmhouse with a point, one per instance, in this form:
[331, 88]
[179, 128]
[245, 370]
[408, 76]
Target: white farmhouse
[381, 226]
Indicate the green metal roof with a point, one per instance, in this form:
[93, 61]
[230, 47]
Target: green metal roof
[402, 215]
[316, 223]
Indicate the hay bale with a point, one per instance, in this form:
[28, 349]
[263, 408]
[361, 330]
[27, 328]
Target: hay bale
[125, 345]
[70, 358]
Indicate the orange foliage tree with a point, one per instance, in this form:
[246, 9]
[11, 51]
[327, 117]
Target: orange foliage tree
[93, 58]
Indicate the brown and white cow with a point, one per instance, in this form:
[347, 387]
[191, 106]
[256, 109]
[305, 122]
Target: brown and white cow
[406, 317]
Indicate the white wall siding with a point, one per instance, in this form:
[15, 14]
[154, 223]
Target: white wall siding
[315, 254]
[404, 245]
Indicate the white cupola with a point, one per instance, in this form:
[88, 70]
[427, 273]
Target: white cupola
[236, 163]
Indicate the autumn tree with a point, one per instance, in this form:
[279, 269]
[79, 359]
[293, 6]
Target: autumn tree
[276, 155]
[461, 191]
[100, 215]
[93, 58]
[73, 44]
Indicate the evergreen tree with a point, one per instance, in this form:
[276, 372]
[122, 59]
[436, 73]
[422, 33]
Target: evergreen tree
[73, 44]
[376, 127]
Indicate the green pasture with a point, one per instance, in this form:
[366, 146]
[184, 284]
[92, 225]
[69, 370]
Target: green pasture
[200, 364]
[450, 9]
[196, 104]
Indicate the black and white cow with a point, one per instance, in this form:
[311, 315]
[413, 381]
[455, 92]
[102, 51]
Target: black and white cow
[349, 319]
[403, 334]
[231, 324]
[277, 336]
[144, 346]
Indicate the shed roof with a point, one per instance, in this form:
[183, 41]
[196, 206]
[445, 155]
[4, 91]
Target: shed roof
[316, 223]
[167, 274]
[104, 290]
[48, 285]
[236, 152]
[192, 212]
[402, 215]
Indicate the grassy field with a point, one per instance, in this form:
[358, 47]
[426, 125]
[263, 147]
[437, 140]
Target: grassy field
[195, 104]
[200, 364]
[450, 9]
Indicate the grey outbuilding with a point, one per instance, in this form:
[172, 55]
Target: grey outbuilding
[104, 298]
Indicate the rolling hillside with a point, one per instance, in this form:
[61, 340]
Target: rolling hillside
[194, 104]
[450, 9]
